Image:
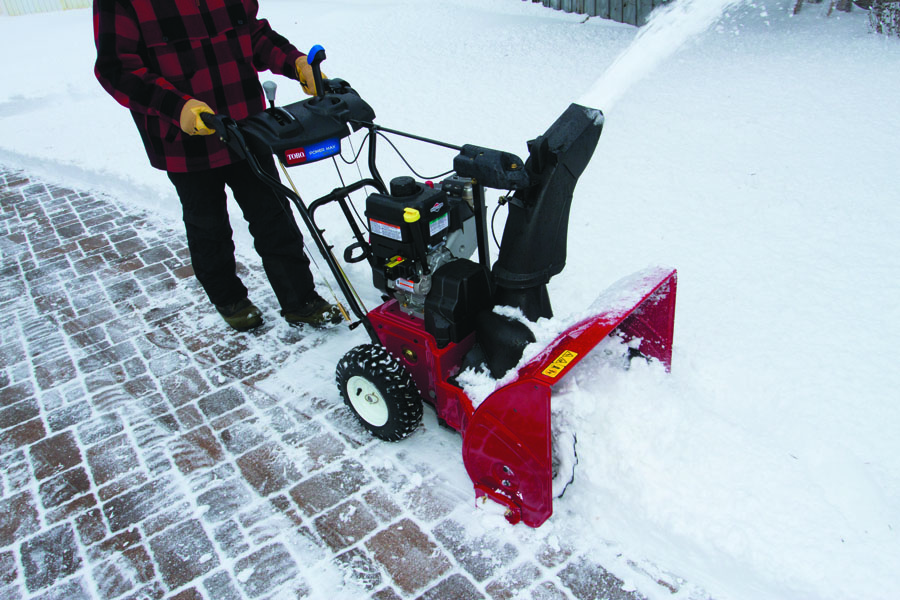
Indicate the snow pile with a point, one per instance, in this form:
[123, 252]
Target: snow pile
[761, 165]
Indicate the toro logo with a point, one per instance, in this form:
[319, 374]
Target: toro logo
[295, 156]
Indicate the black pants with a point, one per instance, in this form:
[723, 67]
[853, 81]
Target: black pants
[276, 237]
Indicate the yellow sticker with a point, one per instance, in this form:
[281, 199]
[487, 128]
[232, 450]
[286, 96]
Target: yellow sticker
[560, 363]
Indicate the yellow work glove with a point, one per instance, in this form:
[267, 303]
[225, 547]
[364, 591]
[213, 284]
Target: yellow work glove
[191, 123]
[305, 74]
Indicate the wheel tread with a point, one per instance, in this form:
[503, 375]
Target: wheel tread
[377, 365]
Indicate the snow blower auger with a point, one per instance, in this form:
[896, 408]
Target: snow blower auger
[438, 317]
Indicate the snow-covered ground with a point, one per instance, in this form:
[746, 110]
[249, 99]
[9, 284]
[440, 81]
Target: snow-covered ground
[755, 151]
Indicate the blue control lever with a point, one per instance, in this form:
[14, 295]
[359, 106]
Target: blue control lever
[314, 58]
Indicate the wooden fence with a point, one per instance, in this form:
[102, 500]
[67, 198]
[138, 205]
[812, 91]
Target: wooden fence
[24, 7]
[633, 12]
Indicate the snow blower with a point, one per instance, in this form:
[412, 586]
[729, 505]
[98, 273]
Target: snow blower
[428, 248]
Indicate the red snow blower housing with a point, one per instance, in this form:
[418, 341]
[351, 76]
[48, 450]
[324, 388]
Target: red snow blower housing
[438, 318]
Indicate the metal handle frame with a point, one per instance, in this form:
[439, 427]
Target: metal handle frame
[230, 132]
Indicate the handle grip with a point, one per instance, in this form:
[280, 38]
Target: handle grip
[363, 249]
[314, 58]
[213, 121]
[270, 87]
[217, 124]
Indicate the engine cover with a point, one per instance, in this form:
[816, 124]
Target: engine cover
[391, 234]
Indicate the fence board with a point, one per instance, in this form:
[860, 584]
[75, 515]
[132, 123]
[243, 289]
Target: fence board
[644, 8]
[633, 12]
[603, 9]
[629, 12]
[615, 11]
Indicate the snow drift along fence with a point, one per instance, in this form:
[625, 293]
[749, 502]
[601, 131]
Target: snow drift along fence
[24, 7]
[633, 12]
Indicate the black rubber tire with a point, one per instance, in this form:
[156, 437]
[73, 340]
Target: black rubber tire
[368, 373]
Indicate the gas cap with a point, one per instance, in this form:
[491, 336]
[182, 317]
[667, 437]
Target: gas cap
[404, 186]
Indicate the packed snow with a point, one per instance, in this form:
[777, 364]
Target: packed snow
[753, 150]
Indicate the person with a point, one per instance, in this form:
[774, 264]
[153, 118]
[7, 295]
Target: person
[170, 62]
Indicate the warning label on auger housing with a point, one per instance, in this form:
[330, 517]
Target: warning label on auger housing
[560, 363]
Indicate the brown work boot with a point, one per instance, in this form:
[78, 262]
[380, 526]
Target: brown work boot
[317, 312]
[242, 315]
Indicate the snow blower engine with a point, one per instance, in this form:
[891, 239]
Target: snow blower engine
[414, 231]
[439, 316]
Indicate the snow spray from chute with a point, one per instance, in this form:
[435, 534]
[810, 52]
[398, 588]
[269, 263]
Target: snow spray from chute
[670, 26]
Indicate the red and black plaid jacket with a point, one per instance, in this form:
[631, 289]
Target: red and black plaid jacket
[154, 55]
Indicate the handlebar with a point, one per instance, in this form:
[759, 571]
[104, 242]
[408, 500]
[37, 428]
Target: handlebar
[315, 58]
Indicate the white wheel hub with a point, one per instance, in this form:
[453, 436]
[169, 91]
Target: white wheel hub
[367, 401]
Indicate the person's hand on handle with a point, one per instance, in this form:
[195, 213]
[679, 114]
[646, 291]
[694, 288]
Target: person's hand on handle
[305, 75]
[191, 123]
